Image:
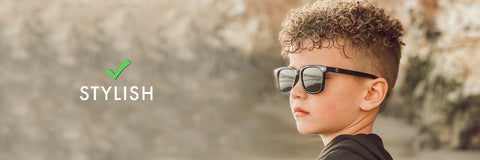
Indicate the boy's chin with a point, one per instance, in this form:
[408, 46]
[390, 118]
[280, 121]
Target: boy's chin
[304, 130]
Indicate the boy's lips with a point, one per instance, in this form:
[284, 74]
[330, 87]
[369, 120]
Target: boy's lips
[299, 111]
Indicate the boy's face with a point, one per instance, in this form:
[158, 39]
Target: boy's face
[335, 108]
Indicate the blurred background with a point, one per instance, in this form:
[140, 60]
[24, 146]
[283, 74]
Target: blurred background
[210, 63]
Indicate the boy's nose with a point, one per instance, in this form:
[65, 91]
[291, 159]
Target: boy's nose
[298, 92]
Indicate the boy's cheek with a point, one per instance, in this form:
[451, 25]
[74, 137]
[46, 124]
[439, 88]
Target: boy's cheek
[330, 110]
[324, 109]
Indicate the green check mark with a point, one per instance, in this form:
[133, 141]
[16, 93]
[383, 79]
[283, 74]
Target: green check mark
[119, 70]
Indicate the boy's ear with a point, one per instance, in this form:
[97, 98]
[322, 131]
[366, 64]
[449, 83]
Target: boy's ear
[376, 93]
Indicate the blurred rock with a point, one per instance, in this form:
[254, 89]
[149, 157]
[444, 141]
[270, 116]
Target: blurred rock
[210, 63]
[439, 81]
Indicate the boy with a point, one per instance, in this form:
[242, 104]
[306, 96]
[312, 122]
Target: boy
[344, 59]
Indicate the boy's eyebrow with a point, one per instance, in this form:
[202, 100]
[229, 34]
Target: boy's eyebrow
[299, 67]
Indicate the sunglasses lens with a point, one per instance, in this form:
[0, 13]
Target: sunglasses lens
[286, 79]
[313, 79]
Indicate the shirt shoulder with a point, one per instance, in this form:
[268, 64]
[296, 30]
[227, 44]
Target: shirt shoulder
[353, 147]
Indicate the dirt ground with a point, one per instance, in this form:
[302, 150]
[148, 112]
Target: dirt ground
[397, 136]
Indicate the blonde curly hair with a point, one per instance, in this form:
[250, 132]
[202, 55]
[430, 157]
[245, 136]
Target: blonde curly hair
[374, 37]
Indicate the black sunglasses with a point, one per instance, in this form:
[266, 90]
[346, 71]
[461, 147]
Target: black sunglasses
[312, 77]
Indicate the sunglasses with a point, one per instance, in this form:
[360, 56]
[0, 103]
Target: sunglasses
[312, 77]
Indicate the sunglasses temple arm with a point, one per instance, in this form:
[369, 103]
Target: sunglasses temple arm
[350, 72]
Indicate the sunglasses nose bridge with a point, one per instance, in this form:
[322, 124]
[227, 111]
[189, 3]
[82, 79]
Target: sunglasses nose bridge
[296, 80]
[297, 77]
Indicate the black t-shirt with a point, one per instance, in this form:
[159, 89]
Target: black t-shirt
[355, 147]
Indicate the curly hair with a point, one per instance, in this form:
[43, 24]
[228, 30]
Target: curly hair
[374, 37]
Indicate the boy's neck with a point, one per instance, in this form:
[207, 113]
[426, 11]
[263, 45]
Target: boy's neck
[364, 125]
